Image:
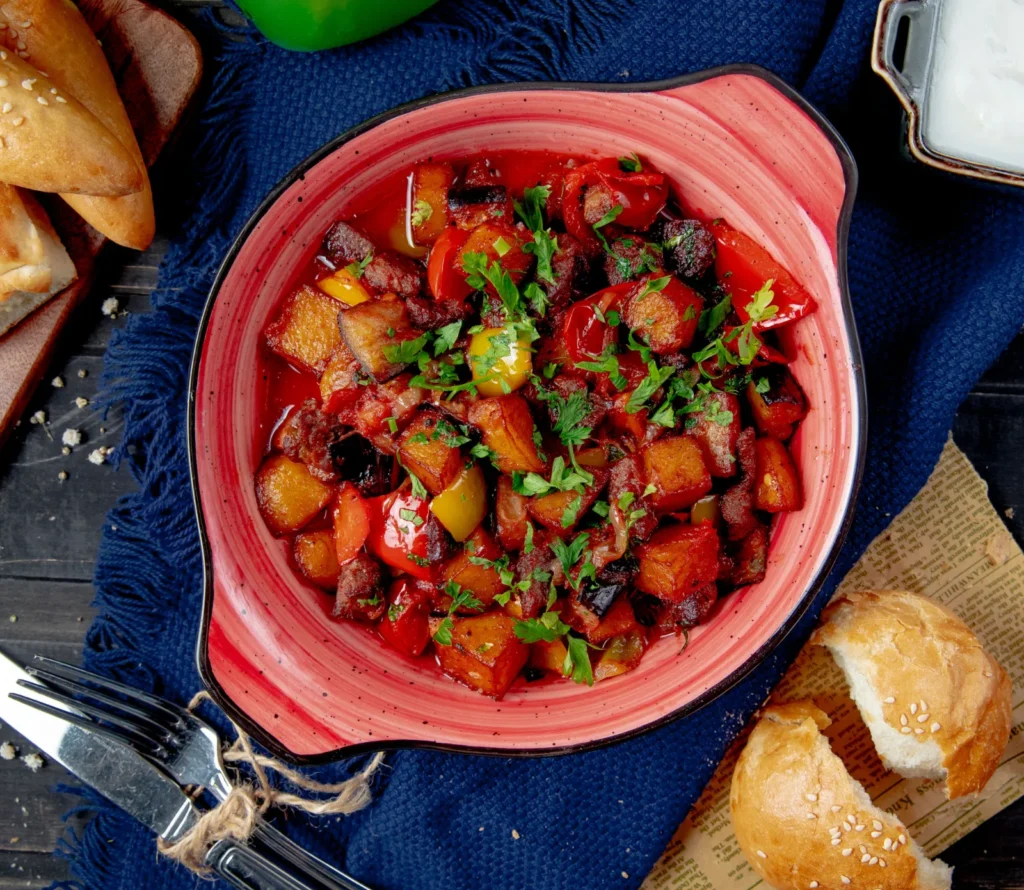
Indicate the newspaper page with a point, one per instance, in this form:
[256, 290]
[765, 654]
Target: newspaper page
[950, 545]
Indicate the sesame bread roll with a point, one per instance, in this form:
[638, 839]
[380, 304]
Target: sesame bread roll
[804, 823]
[54, 36]
[50, 142]
[936, 703]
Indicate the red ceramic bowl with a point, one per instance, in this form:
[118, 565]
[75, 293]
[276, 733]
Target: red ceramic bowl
[736, 142]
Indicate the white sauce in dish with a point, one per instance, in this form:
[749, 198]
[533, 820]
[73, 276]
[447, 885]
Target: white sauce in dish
[974, 108]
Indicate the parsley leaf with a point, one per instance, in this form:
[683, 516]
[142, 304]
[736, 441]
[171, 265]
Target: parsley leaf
[760, 307]
[445, 337]
[609, 364]
[421, 212]
[609, 217]
[570, 554]
[711, 319]
[577, 661]
[461, 599]
[631, 163]
[544, 247]
[763, 384]
[653, 285]
[357, 269]
[531, 209]
[549, 627]
[418, 489]
[537, 297]
[406, 351]
[648, 386]
[480, 274]
[572, 512]
[562, 479]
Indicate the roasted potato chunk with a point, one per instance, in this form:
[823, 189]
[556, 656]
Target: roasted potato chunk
[561, 511]
[675, 467]
[677, 561]
[424, 450]
[548, 656]
[316, 557]
[666, 319]
[482, 581]
[777, 485]
[619, 620]
[510, 515]
[485, 653]
[370, 327]
[429, 211]
[777, 402]
[288, 495]
[305, 331]
[506, 424]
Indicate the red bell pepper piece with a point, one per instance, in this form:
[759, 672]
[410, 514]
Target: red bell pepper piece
[445, 275]
[743, 266]
[398, 533]
[406, 622]
[351, 523]
[586, 336]
[641, 196]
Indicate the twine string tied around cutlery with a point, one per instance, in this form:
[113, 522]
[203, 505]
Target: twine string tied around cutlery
[236, 816]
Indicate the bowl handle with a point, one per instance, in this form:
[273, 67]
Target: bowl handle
[907, 82]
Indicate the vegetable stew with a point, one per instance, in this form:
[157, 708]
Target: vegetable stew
[524, 415]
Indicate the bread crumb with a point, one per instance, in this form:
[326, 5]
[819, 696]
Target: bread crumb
[1009, 512]
[65, 450]
[625, 874]
[8, 751]
[71, 437]
[110, 307]
[34, 762]
[82, 373]
[99, 455]
[999, 548]
[57, 382]
[81, 402]
[63, 475]
[38, 417]
[515, 834]
[13, 619]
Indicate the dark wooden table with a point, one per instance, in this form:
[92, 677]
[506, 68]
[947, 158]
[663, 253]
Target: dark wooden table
[50, 531]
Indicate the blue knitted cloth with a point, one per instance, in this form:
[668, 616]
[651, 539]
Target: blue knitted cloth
[937, 274]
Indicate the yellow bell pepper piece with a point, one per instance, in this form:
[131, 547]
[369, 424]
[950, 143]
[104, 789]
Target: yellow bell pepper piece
[344, 286]
[462, 506]
[512, 367]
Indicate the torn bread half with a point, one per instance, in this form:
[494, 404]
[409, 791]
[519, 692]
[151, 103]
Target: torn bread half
[936, 703]
[803, 821]
[33, 263]
[59, 41]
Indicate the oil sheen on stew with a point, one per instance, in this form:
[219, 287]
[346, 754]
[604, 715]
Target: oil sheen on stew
[525, 414]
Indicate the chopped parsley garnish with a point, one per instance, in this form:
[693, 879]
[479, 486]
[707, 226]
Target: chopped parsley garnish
[608, 364]
[544, 245]
[562, 479]
[609, 217]
[444, 338]
[392, 424]
[711, 319]
[395, 611]
[631, 163]
[374, 600]
[531, 209]
[480, 274]
[654, 380]
[418, 490]
[356, 269]
[461, 599]
[501, 246]
[652, 286]
[572, 512]
[762, 385]
[407, 351]
[421, 212]
[449, 435]
[760, 308]
[482, 452]
[411, 516]
[528, 540]
[549, 627]
[537, 297]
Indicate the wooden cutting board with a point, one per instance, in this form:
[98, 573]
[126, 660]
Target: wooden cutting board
[157, 65]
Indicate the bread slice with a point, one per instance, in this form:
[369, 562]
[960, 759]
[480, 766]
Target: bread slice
[936, 703]
[803, 821]
[60, 42]
[33, 263]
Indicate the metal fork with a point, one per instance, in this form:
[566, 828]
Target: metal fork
[186, 747]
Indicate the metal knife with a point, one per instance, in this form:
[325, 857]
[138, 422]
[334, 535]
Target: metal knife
[135, 785]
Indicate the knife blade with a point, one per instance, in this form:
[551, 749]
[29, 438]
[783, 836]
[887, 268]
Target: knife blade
[128, 779]
[117, 772]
